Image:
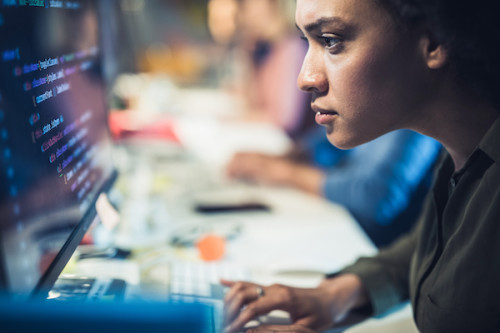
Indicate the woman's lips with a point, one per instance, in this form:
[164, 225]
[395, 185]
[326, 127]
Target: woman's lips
[324, 117]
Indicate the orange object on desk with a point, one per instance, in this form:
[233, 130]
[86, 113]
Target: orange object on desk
[211, 247]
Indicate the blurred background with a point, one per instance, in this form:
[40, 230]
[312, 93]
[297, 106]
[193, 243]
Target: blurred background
[188, 39]
[219, 79]
[243, 49]
[158, 36]
[179, 70]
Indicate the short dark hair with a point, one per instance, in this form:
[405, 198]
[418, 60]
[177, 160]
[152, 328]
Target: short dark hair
[469, 31]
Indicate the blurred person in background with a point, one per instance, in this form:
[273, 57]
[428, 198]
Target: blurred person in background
[382, 183]
[267, 58]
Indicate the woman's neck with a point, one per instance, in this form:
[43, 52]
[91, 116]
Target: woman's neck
[459, 124]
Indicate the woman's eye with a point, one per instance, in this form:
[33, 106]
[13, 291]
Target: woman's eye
[330, 42]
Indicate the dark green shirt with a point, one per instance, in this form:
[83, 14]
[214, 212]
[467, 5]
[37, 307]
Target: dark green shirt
[449, 266]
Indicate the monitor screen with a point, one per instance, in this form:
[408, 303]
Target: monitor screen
[55, 149]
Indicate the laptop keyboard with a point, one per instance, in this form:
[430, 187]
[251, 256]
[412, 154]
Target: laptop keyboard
[202, 278]
[199, 282]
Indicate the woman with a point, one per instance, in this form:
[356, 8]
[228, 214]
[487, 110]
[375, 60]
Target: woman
[432, 66]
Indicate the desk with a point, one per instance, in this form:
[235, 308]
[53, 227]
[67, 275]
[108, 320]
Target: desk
[301, 231]
[302, 237]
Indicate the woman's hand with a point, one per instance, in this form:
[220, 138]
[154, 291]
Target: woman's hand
[314, 308]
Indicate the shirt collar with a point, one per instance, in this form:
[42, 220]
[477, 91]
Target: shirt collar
[490, 143]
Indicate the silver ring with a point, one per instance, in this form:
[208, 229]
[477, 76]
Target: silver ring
[260, 292]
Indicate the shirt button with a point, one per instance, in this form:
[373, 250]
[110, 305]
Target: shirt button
[453, 183]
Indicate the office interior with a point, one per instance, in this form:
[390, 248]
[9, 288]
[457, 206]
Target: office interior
[181, 103]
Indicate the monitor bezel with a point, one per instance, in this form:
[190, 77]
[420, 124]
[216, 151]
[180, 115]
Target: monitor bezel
[52, 273]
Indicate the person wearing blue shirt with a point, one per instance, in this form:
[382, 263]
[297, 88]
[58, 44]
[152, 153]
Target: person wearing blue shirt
[382, 183]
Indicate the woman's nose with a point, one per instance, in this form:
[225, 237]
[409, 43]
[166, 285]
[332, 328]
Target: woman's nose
[312, 77]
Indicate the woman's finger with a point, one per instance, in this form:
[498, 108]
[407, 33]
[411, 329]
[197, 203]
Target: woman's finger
[254, 309]
[227, 283]
[236, 287]
[245, 296]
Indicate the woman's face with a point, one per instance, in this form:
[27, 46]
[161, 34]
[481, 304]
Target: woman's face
[366, 76]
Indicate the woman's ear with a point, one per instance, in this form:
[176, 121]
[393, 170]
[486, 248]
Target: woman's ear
[434, 53]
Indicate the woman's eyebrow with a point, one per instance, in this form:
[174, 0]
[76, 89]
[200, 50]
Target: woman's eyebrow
[322, 21]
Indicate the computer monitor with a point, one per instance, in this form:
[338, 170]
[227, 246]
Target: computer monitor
[55, 148]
